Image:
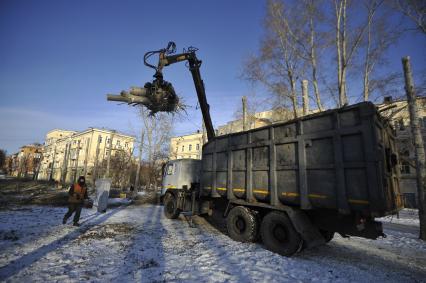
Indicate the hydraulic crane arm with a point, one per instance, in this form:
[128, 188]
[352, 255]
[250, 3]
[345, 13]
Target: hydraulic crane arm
[194, 67]
[159, 95]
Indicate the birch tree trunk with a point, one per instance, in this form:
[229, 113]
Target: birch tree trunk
[314, 61]
[305, 97]
[293, 93]
[342, 95]
[366, 91]
[138, 167]
[419, 149]
[338, 9]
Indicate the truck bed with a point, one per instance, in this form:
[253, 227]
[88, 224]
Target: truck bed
[342, 159]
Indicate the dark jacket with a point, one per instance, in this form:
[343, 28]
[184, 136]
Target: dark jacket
[77, 194]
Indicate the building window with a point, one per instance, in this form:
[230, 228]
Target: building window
[190, 147]
[108, 140]
[197, 147]
[99, 139]
[126, 144]
[183, 148]
[118, 143]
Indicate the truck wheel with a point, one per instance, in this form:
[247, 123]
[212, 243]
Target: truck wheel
[242, 224]
[170, 207]
[279, 235]
[328, 236]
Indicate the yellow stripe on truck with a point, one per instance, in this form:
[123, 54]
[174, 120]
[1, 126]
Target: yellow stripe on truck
[317, 196]
[359, 201]
[262, 192]
[290, 194]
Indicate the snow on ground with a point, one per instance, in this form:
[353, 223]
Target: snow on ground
[118, 201]
[406, 217]
[133, 243]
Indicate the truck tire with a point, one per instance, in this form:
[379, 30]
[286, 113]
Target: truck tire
[170, 207]
[279, 235]
[242, 224]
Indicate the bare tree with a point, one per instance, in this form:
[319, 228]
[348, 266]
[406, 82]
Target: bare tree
[24, 164]
[302, 31]
[348, 40]
[281, 61]
[414, 10]
[381, 34]
[121, 167]
[312, 10]
[368, 64]
[2, 158]
[157, 136]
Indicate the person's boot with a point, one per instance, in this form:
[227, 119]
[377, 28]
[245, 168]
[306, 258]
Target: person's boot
[76, 224]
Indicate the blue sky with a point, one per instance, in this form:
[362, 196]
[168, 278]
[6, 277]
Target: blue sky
[58, 60]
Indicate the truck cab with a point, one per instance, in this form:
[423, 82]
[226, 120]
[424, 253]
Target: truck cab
[179, 174]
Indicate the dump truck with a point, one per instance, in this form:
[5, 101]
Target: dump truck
[292, 185]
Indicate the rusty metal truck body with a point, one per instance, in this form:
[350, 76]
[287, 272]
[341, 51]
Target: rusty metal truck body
[333, 171]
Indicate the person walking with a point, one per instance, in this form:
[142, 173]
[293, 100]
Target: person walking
[77, 195]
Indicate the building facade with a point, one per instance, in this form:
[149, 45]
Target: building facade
[399, 117]
[190, 146]
[260, 119]
[25, 163]
[187, 146]
[69, 154]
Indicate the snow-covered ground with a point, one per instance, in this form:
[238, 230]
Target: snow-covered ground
[137, 243]
[406, 216]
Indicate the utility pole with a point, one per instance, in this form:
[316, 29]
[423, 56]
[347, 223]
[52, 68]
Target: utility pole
[53, 164]
[65, 163]
[76, 161]
[109, 154]
[244, 100]
[86, 153]
[305, 98]
[419, 150]
[68, 163]
[95, 168]
[139, 160]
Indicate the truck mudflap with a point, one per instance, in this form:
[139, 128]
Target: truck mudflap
[347, 225]
[303, 225]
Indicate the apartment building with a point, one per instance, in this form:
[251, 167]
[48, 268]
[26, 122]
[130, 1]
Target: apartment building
[26, 162]
[399, 117]
[69, 154]
[187, 146]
